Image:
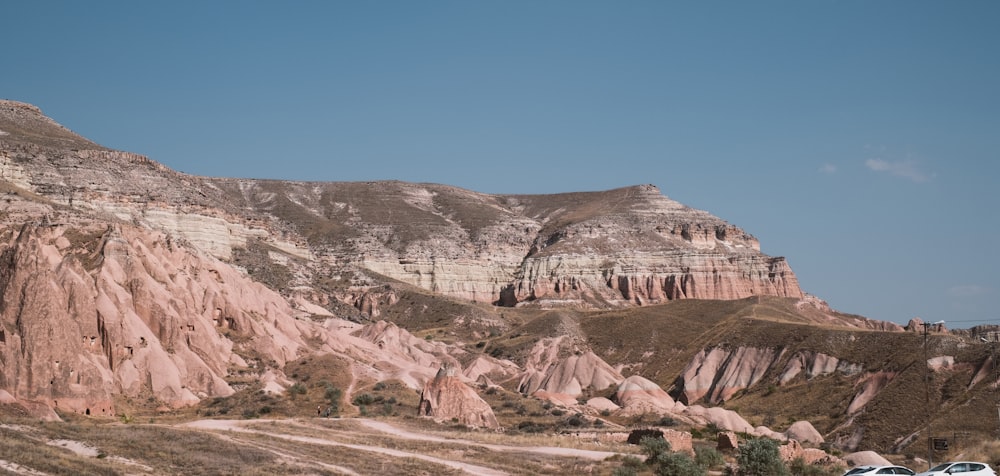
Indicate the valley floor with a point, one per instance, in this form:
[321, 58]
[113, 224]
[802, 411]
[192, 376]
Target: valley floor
[350, 446]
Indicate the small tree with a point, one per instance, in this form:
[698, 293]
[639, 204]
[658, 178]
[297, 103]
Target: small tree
[332, 395]
[652, 447]
[760, 456]
[677, 464]
[708, 457]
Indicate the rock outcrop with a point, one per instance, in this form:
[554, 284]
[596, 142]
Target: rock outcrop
[94, 311]
[870, 384]
[561, 378]
[813, 364]
[804, 432]
[446, 397]
[637, 395]
[716, 374]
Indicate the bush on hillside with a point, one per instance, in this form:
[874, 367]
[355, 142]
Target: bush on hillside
[760, 456]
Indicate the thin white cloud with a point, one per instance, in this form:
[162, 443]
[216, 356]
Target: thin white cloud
[828, 169]
[967, 290]
[903, 168]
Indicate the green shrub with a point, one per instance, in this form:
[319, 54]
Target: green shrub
[332, 395]
[624, 471]
[666, 421]
[652, 446]
[296, 389]
[632, 462]
[678, 464]
[799, 467]
[760, 456]
[708, 457]
[364, 399]
[576, 420]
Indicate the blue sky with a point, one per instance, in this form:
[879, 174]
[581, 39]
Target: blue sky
[859, 139]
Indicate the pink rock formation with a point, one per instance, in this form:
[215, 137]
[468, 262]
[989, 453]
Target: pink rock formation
[637, 395]
[918, 326]
[98, 311]
[547, 371]
[446, 397]
[718, 373]
[602, 404]
[804, 432]
[815, 364]
[793, 450]
[720, 417]
[871, 384]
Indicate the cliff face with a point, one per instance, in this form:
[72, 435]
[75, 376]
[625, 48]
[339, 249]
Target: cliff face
[600, 249]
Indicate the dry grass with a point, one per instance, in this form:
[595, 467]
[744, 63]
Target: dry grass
[307, 446]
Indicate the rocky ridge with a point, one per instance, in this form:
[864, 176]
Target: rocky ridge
[619, 247]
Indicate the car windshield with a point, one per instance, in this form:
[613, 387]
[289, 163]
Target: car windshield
[859, 469]
[940, 467]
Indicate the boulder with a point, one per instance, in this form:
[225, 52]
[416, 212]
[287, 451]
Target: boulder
[793, 450]
[804, 432]
[602, 404]
[862, 458]
[720, 417]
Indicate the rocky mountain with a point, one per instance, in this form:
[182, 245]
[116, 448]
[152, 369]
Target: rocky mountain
[125, 283]
[599, 249]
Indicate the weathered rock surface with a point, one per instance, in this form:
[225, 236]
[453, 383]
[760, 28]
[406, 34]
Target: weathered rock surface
[720, 417]
[548, 370]
[870, 384]
[446, 397]
[637, 395]
[804, 432]
[716, 374]
[91, 312]
[813, 364]
[793, 450]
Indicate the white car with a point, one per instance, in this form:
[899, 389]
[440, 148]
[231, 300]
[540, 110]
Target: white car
[869, 469]
[963, 468]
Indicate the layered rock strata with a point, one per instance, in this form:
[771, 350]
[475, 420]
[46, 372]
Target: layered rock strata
[626, 246]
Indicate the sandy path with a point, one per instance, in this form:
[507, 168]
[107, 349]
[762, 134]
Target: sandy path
[236, 426]
[386, 427]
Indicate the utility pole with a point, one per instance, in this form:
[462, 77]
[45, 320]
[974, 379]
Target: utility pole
[996, 376]
[927, 394]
